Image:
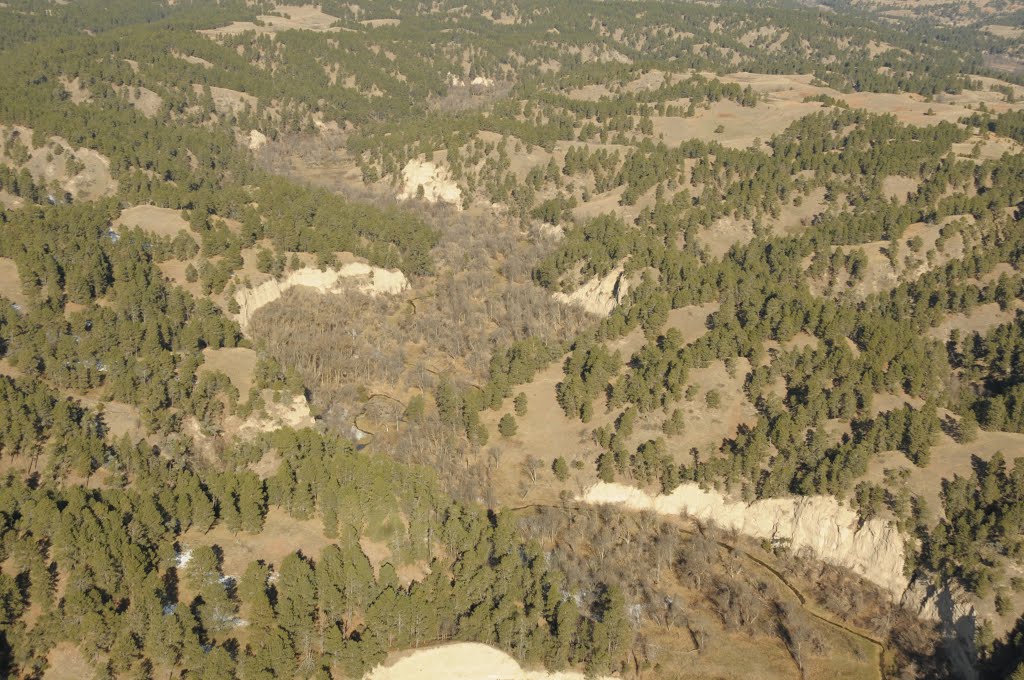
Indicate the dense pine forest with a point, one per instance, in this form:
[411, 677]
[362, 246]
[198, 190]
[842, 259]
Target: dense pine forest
[332, 333]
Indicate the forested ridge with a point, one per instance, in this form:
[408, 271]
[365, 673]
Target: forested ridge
[199, 483]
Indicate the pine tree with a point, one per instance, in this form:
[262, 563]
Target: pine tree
[507, 426]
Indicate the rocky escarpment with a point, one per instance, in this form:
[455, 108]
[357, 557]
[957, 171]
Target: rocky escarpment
[435, 182]
[363, 277]
[599, 295]
[290, 410]
[873, 549]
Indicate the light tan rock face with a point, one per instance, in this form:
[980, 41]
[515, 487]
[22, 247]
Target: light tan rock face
[362, 277]
[291, 411]
[257, 140]
[874, 549]
[437, 186]
[598, 295]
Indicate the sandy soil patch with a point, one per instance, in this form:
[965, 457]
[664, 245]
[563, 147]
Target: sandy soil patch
[691, 321]
[79, 93]
[605, 203]
[460, 661]
[651, 80]
[289, 410]
[66, 662]
[174, 272]
[237, 363]
[93, 182]
[10, 282]
[545, 432]
[504, 19]
[706, 427]
[10, 201]
[149, 218]
[120, 418]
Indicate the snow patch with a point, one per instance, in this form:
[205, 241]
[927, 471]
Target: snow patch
[182, 559]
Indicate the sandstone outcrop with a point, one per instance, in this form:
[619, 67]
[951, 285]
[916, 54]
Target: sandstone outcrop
[599, 295]
[257, 140]
[831, 532]
[363, 277]
[437, 185]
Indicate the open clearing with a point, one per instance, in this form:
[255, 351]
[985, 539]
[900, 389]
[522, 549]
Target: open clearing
[545, 432]
[66, 662]
[948, 458]
[880, 275]
[10, 282]
[981, 319]
[49, 164]
[294, 17]
[741, 125]
[1012, 32]
[228, 101]
[908, 108]
[142, 98]
[281, 536]
[237, 363]
[149, 218]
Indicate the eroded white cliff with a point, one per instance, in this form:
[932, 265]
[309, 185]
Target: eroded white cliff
[257, 140]
[365, 278]
[872, 549]
[437, 185]
[599, 295]
[292, 410]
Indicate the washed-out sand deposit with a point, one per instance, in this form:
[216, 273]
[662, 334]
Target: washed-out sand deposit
[462, 661]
